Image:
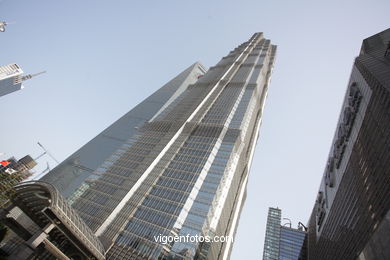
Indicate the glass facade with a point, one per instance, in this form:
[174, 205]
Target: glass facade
[272, 235]
[177, 164]
[292, 244]
[73, 175]
[199, 140]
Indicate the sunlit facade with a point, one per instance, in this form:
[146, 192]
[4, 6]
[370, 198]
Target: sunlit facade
[10, 79]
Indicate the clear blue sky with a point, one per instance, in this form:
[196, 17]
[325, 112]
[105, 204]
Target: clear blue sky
[104, 57]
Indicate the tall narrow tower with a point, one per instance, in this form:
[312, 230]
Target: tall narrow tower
[272, 234]
[175, 166]
[351, 215]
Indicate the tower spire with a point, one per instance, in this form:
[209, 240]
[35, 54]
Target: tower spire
[29, 76]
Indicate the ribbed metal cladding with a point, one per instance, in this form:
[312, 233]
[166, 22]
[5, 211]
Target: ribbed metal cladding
[363, 194]
[354, 195]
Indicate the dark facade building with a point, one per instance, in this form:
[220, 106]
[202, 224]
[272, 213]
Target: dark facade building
[351, 216]
[282, 242]
[176, 165]
[12, 172]
[10, 79]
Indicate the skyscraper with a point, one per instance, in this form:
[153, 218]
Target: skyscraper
[272, 234]
[351, 216]
[175, 166]
[293, 243]
[282, 242]
[73, 175]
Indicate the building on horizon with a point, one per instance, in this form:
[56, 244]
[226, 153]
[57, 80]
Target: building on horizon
[11, 78]
[272, 234]
[351, 218]
[283, 242]
[176, 165]
[12, 172]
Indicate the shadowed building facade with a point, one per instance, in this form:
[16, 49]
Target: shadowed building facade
[10, 79]
[350, 219]
[175, 165]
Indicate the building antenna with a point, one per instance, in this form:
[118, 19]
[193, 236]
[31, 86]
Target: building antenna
[39, 156]
[289, 220]
[300, 226]
[29, 76]
[47, 152]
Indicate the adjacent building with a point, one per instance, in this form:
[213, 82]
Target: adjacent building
[11, 78]
[272, 234]
[283, 242]
[293, 243]
[13, 171]
[350, 219]
[176, 165]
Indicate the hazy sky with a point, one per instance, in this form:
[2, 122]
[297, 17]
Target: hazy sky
[104, 57]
